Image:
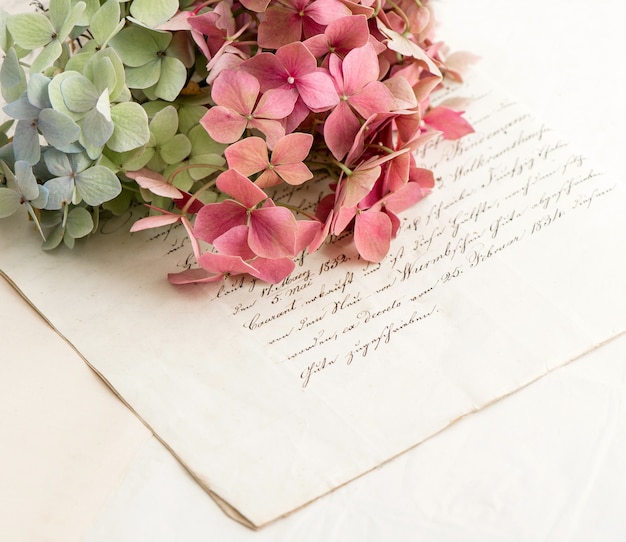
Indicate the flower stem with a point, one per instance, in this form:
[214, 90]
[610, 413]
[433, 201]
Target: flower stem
[342, 167]
[194, 196]
[400, 12]
[170, 179]
[296, 210]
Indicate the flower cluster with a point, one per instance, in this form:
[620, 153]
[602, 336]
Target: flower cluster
[196, 109]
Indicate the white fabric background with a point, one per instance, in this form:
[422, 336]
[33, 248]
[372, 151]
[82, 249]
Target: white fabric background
[543, 464]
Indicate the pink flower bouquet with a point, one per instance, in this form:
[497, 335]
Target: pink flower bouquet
[201, 111]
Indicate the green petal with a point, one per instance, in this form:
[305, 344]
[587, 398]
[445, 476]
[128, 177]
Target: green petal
[144, 76]
[21, 109]
[56, 96]
[176, 149]
[58, 12]
[68, 240]
[25, 180]
[31, 30]
[9, 202]
[97, 185]
[38, 91]
[54, 238]
[60, 190]
[79, 223]
[189, 117]
[130, 127]
[79, 162]
[172, 79]
[105, 22]
[103, 75]
[164, 125]
[153, 12]
[213, 161]
[91, 7]
[5, 38]
[12, 77]
[77, 62]
[57, 128]
[136, 46]
[26, 142]
[46, 58]
[106, 70]
[79, 94]
[96, 129]
[71, 20]
[58, 163]
[120, 203]
[203, 143]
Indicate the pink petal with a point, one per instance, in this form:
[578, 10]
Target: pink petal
[395, 223]
[397, 174]
[258, 6]
[347, 33]
[325, 12]
[272, 232]
[340, 130]
[334, 68]
[425, 86]
[236, 90]
[321, 235]
[276, 103]
[224, 264]
[360, 66]
[372, 235]
[153, 181]
[359, 184]
[296, 59]
[193, 207]
[306, 232]
[216, 219]
[402, 92]
[268, 178]
[226, 61]
[234, 243]
[272, 270]
[298, 115]
[223, 124]
[279, 27]
[294, 174]
[241, 188]
[448, 121]
[248, 156]
[193, 276]
[318, 45]
[373, 98]
[409, 126]
[458, 63]
[267, 69]
[272, 129]
[404, 198]
[403, 45]
[423, 177]
[149, 222]
[317, 91]
[292, 148]
[177, 22]
[343, 217]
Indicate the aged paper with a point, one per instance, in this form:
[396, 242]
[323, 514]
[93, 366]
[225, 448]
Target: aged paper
[272, 395]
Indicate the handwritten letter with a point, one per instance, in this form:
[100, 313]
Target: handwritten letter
[273, 395]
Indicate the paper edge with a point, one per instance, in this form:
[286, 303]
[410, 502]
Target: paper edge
[231, 511]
